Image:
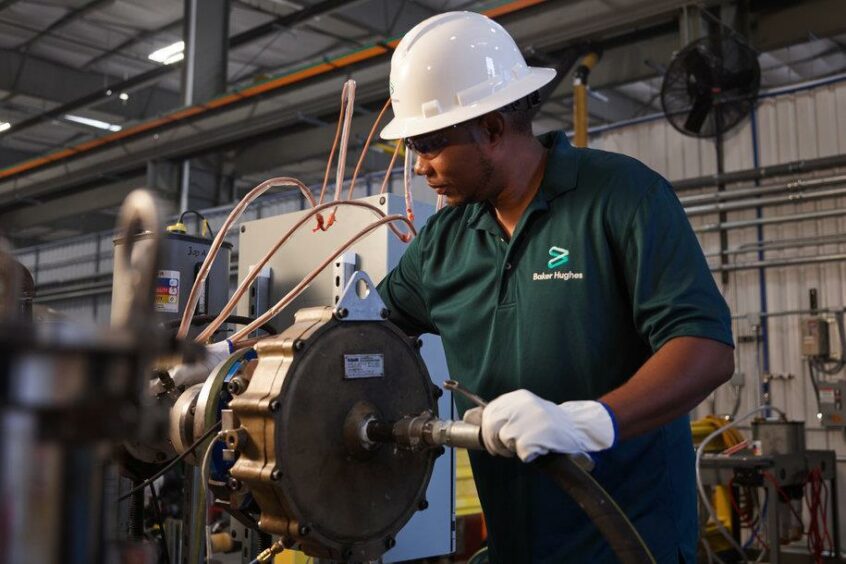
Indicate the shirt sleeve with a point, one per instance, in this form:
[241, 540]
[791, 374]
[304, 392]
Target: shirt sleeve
[673, 291]
[403, 294]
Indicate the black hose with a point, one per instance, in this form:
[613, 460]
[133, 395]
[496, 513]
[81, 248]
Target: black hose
[235, 319]
[599, 506]
[624, 539]
[140, 487]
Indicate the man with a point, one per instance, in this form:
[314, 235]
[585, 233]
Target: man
[567, 286]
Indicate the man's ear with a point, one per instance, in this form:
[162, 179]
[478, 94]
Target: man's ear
[492, 127]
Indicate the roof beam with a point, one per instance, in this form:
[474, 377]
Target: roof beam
[291, 20]
[71, 16]
[776, 28]
[297, 6]
[222, 130]
[10, 156]
[61, 84]
[175, 25]
[104, 196]
[102, 93]
[256, 7]
[7, 3]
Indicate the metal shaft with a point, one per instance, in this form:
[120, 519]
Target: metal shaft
[425, 431]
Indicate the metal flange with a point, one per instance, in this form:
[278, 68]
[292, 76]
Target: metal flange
[313, 490]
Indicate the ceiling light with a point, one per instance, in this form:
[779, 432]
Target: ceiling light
[170, 54]
[4, 125]
[93, 123]
[124, 96]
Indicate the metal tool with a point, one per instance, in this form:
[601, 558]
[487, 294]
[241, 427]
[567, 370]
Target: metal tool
[454, 386]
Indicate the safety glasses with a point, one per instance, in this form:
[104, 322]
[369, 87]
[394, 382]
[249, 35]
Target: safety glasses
[430, 144]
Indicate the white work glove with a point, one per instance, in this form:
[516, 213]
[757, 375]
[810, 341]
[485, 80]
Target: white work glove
[520, 422]
[186, 375]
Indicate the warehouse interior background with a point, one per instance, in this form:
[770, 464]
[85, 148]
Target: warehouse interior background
[201, 100]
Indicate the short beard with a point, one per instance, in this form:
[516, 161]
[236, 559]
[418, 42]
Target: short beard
[482, 190]
[486, 167]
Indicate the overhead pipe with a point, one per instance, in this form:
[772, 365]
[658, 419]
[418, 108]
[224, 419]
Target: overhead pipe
[792, 186]
[760, 173]
[787, 313]
[775, 263]
[781, 244]
[658, 116]
[716, 227]
[795, 198]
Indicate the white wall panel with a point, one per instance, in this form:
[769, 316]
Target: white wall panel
[803, 125]
[80, 310]
[737, 148]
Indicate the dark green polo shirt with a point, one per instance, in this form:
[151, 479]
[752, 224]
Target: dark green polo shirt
[602, 270]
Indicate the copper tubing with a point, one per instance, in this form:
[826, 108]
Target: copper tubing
[349, 88]
[390, 168]
[367, 146]
[407, 173]
[297, 290]
[348, 106]
[338, 130]
[251, 276]
[236, 213]
[342, 132]
[332, 150]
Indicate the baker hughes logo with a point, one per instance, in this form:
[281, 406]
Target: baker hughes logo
[560, 257]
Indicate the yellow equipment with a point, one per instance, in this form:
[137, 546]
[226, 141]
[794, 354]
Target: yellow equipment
[580, 103]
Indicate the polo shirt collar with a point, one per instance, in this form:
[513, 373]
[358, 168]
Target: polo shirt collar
[562, 165]
[559, 177]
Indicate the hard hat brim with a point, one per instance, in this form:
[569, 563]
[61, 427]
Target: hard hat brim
[409, 127]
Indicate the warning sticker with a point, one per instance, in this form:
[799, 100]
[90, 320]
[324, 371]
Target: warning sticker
[364, 366]
[828, 395]
[167, 291]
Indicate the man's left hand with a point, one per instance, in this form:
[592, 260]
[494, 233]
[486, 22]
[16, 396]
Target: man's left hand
[520, 422]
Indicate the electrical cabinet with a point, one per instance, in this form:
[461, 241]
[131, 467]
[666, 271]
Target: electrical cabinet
[430, 532]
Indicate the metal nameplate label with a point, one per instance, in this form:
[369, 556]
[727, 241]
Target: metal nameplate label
[364, 366]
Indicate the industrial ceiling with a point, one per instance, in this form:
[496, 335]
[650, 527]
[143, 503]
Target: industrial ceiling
[87, 108]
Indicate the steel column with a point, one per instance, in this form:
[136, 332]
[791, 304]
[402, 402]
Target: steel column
[206, 34]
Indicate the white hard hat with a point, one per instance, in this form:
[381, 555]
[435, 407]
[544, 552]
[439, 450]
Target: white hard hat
[453, 67]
